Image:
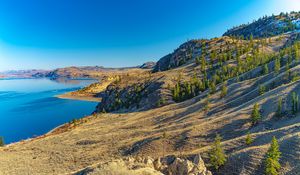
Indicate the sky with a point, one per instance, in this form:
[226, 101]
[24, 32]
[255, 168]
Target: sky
[47, 34]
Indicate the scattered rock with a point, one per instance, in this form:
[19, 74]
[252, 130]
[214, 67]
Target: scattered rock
[149, 166]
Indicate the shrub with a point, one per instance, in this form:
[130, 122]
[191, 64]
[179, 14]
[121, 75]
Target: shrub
[248, 139]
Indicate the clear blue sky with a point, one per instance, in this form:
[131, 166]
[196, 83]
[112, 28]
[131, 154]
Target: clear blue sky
[114, 33]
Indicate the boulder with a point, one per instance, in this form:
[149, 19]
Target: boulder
[187, 167]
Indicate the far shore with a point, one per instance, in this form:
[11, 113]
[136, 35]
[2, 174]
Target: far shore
[82, 98]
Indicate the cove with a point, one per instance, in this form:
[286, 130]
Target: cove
[28, 107]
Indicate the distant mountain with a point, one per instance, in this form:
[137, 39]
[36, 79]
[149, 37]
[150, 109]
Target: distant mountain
[267, 26]
[70, 72]
[22, 73]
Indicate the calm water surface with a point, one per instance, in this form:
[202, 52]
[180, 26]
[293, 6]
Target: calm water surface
[28, 107]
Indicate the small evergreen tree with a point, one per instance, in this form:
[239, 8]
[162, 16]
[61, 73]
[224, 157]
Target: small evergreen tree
[217, 155]
[261, 89]
[255, 116]
[198, 60]
[176, 92]
[273, 155]
[277, 65]
[265, 69]
[279, 108]
[203, 64]
[295, 101]
[212, 87]
[248, 139]
[223, 91]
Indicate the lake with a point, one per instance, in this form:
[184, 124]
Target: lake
[28, 107]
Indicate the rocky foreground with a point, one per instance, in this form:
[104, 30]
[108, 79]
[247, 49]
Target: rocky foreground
[136, 166]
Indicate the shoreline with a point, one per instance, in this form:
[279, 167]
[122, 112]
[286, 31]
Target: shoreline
[81, 98]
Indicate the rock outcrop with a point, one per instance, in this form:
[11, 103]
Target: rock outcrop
[149, 166]
[187, 167]
[148, 65]
[132, 96]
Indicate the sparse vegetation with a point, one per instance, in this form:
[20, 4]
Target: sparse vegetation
[217, 155]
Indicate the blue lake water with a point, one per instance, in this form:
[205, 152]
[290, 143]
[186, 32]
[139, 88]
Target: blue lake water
[28, 107]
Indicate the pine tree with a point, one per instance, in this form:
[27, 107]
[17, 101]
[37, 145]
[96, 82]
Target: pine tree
[255, 116]
[206, 107]
[198, 60]
[217, 155]
[176, 92]
[295, 101]
[273, 155]
[2, 141]
[265, 69]
[277, 65]
[212, 87]
[261, 89]
[248, 139]
[223, 91]
[279, 108]
[203, 64]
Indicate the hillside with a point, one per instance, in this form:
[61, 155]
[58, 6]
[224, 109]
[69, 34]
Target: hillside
[267, 26]
[159, 121]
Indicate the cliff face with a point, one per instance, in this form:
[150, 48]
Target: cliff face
[130, 93]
